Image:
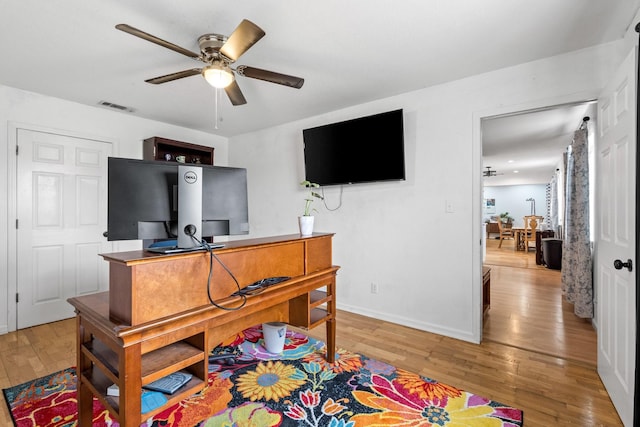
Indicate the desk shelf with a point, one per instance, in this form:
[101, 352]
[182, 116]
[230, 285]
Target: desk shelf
[318, 297]
[103, 357]
[169, 359]
[186, 354]
[311, 309]
[318, 316]
[98, 382]
[192, 387]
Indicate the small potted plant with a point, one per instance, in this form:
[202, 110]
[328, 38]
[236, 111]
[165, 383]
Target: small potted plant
[306, 220]
[505, 218]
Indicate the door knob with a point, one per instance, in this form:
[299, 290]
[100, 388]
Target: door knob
[619, 265]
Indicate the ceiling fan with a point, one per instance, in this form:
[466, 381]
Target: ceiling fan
[490, 172]
[218, 52]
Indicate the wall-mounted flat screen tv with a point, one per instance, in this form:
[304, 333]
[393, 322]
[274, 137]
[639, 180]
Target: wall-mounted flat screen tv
[366, 149]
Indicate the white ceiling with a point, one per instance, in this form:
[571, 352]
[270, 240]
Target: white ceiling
[349, 52]
[526, 147]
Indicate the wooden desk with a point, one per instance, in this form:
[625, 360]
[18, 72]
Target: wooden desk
[153, 320]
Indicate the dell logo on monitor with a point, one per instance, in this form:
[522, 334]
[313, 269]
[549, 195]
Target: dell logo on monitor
[190, 177]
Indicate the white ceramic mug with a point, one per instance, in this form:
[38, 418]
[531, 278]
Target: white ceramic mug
[274, 335]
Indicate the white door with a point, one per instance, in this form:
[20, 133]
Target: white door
[615, 237]
[61, 205]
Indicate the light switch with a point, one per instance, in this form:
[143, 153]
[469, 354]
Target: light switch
[449, 206]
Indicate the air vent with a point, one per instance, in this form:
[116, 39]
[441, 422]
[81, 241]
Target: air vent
[115, 106]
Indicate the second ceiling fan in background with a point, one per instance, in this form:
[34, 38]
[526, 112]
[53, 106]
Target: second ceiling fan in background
[218, 52]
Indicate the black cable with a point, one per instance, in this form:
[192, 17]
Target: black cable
[209, 249]
[167, 229]
[259, 286]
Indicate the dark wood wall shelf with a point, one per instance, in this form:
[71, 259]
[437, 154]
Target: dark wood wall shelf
[164, 149]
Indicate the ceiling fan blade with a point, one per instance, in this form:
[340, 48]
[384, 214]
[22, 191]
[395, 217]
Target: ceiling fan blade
[270, 76]
[153, 39]
[243, 37]
[174, 76]
[235, 94]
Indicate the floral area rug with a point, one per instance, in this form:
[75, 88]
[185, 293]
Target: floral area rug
[295, 388]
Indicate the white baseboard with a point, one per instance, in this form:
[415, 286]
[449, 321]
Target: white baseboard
[412, 323]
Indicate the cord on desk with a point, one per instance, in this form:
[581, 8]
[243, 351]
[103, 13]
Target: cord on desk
[209, 249]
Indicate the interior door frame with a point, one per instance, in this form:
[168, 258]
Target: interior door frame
[636, 395]
[569, 99]
[12, 202]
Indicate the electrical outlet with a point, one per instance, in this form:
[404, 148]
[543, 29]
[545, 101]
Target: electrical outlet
[374, 288]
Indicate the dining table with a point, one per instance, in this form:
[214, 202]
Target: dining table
[518, 235]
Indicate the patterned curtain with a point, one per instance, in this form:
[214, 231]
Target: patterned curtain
[554, 221]
[577, 283]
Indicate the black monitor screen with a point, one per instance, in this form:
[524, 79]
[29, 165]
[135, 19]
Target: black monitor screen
[365, 149]
[142, 200]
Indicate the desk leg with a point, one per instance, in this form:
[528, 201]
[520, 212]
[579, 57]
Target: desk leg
[84, 394]
[85, 405]
[331, 323]
[131, 372]
[331, 340]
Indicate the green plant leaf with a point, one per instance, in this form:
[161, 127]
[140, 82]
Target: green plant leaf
[312, 194]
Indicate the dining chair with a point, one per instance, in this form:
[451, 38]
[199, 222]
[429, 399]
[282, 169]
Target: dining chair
[530, 227]
[505, 232]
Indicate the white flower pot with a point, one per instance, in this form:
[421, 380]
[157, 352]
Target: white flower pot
[306, 225]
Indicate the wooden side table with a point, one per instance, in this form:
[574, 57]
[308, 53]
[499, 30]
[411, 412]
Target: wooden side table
[486, 289]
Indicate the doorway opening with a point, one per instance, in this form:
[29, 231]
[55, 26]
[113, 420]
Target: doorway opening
[525, 152]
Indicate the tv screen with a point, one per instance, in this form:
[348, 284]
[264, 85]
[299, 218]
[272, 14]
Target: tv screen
[366, 149]
[143, 200]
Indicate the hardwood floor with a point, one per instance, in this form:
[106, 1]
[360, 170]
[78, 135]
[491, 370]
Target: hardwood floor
[552, 390]
[34, 352]
[528, 311]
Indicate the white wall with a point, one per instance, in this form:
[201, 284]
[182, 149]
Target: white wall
[19, 108]
[512, 199]
[426, 262]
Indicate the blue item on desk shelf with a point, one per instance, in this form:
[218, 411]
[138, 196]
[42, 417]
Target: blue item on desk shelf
[151, 400]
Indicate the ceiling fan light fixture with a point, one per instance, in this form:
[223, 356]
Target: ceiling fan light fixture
[218, 75]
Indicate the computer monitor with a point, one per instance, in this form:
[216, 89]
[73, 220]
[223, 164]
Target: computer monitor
[143, 200]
